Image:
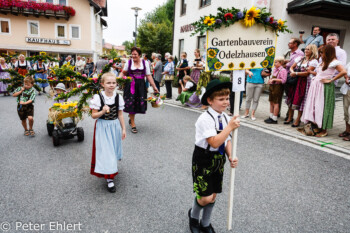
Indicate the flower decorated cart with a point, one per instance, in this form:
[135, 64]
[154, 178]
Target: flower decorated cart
[63, 120]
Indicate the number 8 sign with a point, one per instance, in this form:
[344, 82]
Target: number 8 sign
[238, 80]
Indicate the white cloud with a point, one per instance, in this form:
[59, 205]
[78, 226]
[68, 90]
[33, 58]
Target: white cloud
[121, 19]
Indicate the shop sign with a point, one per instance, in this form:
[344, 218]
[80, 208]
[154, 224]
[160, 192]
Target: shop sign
[37, 40]
[187, 28]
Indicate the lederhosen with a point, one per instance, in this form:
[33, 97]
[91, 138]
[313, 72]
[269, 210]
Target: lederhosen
[25, 110]
[112, 115]
[207, 169]
[276, 91]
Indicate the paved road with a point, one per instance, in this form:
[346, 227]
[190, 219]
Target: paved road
[281, 186]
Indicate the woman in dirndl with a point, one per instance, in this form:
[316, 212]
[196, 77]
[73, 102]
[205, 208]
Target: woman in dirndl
[4, 75]
[306, 64]
[320, 102]
[22, 66]
[135, 93]
[41, 75]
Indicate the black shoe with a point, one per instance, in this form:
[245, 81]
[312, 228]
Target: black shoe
[111, 189]
[294, 126]
[270, 121]
[208, 229]
[194, 223]
[288, 122]
[279, 115]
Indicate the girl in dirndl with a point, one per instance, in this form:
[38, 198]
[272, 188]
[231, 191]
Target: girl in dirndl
[279, 77]
[197, 67]
[107, 107]
[41, 70]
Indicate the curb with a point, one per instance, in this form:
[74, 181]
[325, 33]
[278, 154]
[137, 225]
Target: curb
[266, 128]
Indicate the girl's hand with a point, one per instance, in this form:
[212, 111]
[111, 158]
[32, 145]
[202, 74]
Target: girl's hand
[233, 162]
[155, 89]
[326, 80]
[106, 109]
[234, 123]
[293, 74]
[123, 134]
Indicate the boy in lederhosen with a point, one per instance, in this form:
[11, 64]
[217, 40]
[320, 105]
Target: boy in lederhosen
[25, 108]
[213, 141]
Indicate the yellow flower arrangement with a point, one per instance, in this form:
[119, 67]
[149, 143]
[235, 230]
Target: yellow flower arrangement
[265, 63]
[250, 16]
[280, 23]
[56, 104]
[209, 21]
[252, 64]
[211, 53]
[271, 51]
[241, 65]
[218, 65]
[68, 78]
[42, 53]
[231, 65]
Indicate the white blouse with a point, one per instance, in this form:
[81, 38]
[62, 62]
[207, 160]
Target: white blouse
[148, 69]
[95, 102]
[188, 85]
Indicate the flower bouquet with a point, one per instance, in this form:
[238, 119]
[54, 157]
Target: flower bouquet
[123, 81]
[63, 110]
[156, 101]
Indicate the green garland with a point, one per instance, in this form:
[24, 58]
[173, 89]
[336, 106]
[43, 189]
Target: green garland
[16, 80]
[229, 16]
[89, 87]
[8, 57]
[41, 57]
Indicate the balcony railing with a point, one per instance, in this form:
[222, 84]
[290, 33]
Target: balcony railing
[36, 13]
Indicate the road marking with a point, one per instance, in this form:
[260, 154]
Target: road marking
[340, 152]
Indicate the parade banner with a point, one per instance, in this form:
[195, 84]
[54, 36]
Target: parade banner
[237, 47]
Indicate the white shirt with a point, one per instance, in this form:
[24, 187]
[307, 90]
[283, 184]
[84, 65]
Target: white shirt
[188, 85]
[206, 128]
[345, 87]
[27, 63]
[80, 64]
[95, 102]
[148, 69]
[36, 66]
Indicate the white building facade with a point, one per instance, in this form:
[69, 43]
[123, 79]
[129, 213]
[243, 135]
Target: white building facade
[189, 11]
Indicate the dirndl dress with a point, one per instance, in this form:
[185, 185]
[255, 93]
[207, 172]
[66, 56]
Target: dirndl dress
[135, 93]
[107, 148]
[42, 76]
[4, 75]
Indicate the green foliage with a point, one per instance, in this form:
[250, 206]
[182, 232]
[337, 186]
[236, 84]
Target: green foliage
[155, 32]
[113, 54]
[128, 45]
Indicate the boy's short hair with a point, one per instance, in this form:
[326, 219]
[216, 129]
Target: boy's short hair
[187, 77]
[184, 53]
[28, 80]
[221, 92]
[280, 60]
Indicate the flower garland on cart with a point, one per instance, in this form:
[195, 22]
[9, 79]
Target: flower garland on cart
[88, 87]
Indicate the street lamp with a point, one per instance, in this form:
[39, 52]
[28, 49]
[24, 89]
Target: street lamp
[136, 9]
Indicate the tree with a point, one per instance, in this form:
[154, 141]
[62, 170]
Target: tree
[155, 32]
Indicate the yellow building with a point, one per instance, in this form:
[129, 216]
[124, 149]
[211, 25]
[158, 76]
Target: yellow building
[107, 47]
[58, 27]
